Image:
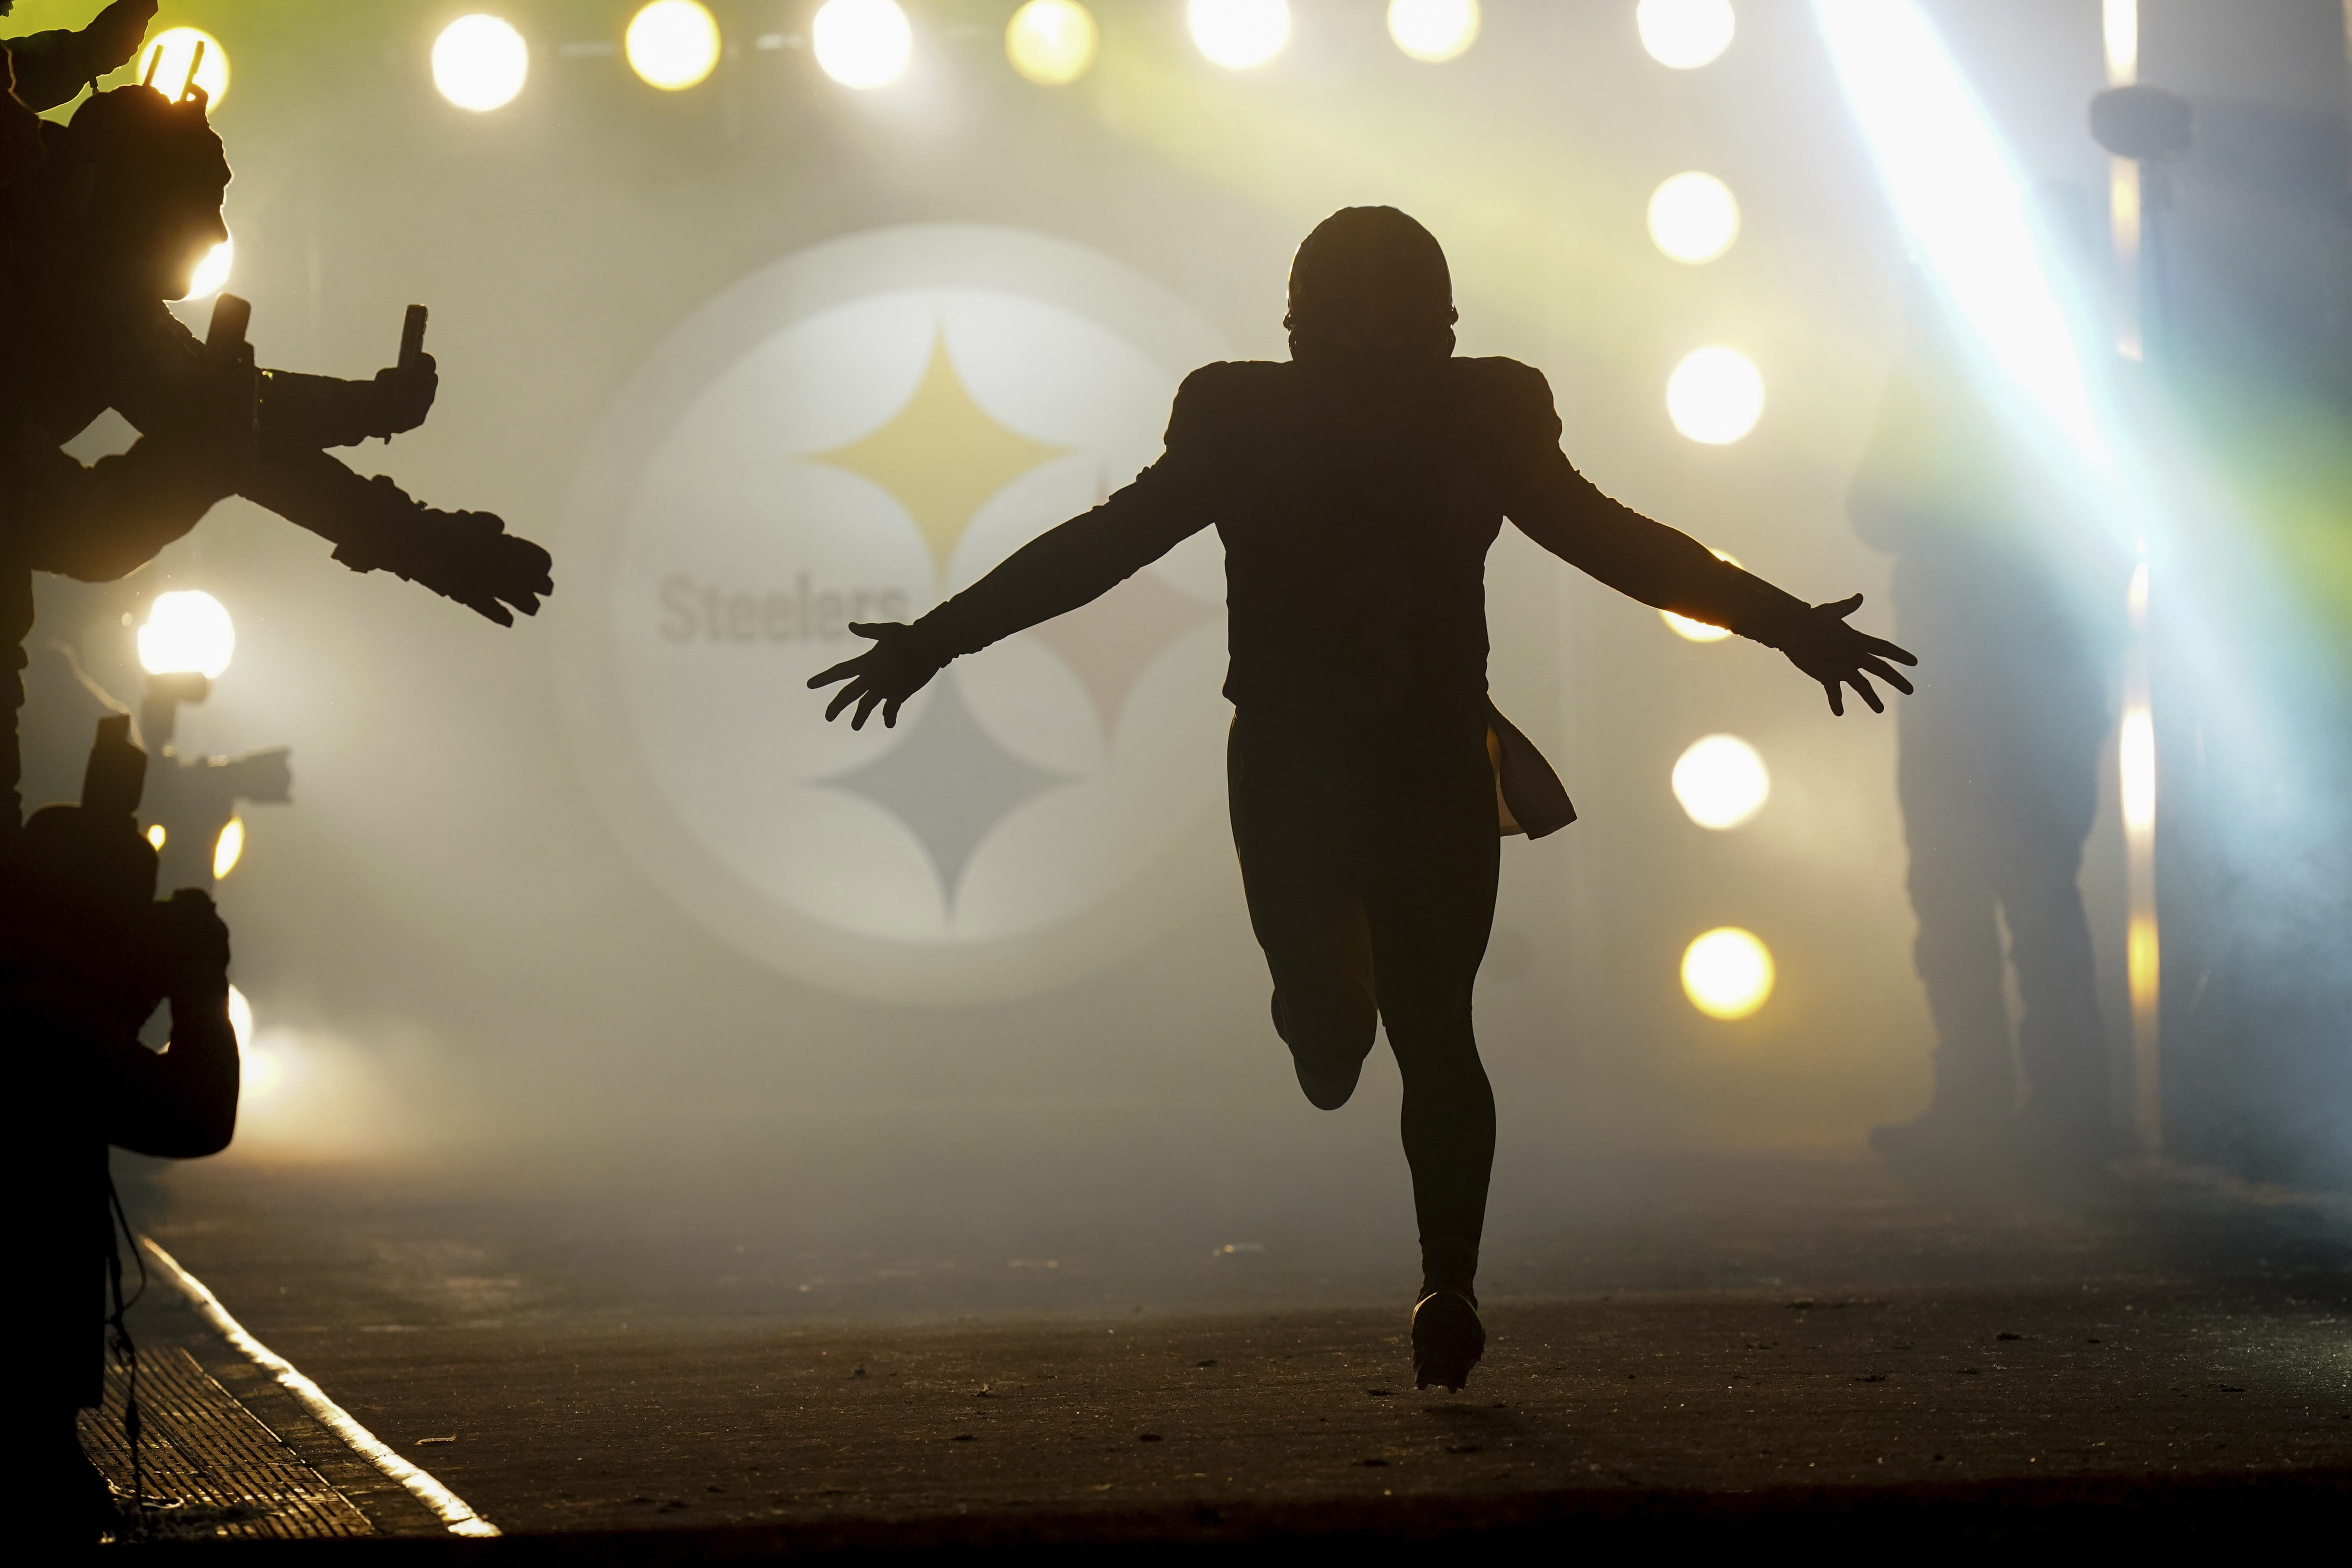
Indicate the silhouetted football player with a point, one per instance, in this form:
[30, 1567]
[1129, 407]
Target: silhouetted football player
[1357, 488]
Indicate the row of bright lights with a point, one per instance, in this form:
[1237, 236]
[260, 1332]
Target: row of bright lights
[1715, 397]
[480, 62]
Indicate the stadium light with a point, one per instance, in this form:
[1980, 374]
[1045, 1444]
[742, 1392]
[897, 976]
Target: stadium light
[1715, 397]
[1727, 973]
[1693, 217]
[480, 63]
[862, 44]
[163, 63]
[1684, 33]
[1052, 42]
[210, 275]
[1433, 30]
[1721, 782]
[672, 43]
[1239, 34]
[188, 632]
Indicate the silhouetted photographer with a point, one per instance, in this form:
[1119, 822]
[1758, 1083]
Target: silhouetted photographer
[90, 953]
[1357, 488]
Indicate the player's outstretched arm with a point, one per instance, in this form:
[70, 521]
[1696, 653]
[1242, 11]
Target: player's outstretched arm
[1569, 515]
[1054, 574]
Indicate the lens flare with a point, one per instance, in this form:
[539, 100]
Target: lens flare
[229, 849]
[1684, 33]
[863, 43]
[1721, 782]
[169, 52]
[1433, 30]
[1052, 42]
[480, 63]
[1693, 217]
[672, 43]
[1239, 33]
[1727, 973]
[1715, 397]
[210, 275]
[186, 632]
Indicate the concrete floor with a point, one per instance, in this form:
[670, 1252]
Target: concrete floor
[1748, 1330]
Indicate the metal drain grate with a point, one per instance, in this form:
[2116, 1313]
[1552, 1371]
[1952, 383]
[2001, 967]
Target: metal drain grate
[212, 1468]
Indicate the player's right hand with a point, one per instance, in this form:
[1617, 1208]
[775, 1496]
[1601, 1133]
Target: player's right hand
[884, 676]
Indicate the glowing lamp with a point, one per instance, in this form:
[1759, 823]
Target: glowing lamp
[229, 849]
[1684, 33]
[1715, 397]
[1693, 217]
[1239, 34]
[155, 837]
[862, 43]
[210, 275]
[1727, 973]
[1433, 30]
[163, 64]
[480, 62]
[1721, 782]
[672, 43]
[186, 633]
[1052, 42]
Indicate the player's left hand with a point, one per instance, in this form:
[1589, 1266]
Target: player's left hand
[1838, 655]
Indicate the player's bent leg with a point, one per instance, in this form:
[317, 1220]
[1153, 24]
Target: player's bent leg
[1325, 1015]
[1307, 915]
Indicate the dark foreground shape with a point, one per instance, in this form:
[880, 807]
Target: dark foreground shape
[2241, 1511]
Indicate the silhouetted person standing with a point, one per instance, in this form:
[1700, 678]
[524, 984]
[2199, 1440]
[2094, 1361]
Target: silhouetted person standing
[1357, 488]
[2017, 615]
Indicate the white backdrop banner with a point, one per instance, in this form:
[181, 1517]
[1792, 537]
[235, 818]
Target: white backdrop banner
[853, 433]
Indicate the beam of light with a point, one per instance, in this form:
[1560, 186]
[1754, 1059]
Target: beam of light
[164, 63]
[1239, 34]
[862, 44]
[1963, 207]
[1697, 631]
[1684, 33]
[1693, 217]
[186, 632]
[210, 275]
[480, 62]
[1433, 30]
[2135, 748]
[1052, 42]
[2119, 30]
[672, 43]
[1728, 972]
[1721, 782]
[1714, 395]
[229, 849]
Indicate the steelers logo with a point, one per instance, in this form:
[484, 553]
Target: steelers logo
[856, 433]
